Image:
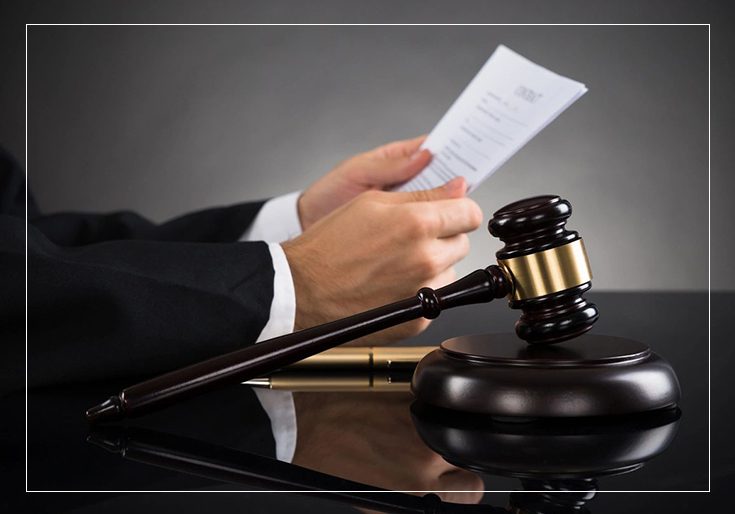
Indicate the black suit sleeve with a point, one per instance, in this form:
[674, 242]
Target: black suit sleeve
[218, 225]
[115, 296]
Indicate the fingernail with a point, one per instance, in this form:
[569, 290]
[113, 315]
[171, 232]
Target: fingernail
[417, 154]
[456, 184]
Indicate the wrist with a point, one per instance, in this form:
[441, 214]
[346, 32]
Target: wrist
[304, 279]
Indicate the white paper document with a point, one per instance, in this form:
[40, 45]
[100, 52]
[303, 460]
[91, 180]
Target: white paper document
[507, 103]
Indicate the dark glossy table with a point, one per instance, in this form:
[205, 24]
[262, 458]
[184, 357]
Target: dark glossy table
[375, 443]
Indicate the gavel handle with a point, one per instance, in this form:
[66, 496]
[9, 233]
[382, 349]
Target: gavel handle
[257, 360]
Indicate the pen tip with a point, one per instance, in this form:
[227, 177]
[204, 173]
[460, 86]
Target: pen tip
[258, 382]
[109, 410]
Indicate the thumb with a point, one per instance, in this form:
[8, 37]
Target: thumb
[455, 188]
[414, 164]
[388, 172]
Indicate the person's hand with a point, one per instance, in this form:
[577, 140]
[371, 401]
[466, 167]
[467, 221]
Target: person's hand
[378, 169]
[370, 438]
[379, 248]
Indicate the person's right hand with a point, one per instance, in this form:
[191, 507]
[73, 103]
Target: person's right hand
[379, 248]
[370, 438]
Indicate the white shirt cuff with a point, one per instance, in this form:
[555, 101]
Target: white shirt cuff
[283, 305]
[277, 221]
[282, 412]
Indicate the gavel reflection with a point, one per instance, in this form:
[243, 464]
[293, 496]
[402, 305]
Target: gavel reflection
[543, 269]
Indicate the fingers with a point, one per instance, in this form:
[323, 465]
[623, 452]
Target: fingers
[455, 188]
[402, 148]
[440, 212]
[448, 251]
[467, 486]
[395, 163]
[414, 165]
[444, 278]
[447, 218]
[384, 173]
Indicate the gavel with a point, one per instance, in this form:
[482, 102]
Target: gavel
[543, 269]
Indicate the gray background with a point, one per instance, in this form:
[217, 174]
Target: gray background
[164, 120]
[15, 13]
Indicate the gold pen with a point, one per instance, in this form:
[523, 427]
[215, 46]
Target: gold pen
[373, 368]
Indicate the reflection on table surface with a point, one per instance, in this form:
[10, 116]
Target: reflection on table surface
[351, 451]
[381, 441]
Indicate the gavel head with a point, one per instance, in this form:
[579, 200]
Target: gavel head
[547, 267]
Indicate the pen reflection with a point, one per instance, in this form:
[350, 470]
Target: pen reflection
[350, 444]
[191, 456]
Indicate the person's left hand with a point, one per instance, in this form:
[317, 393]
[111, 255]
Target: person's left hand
[381, 168]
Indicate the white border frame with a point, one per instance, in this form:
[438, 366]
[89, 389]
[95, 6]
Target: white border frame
[709, 240]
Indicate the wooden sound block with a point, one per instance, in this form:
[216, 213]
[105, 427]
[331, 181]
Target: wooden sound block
[501, 375]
